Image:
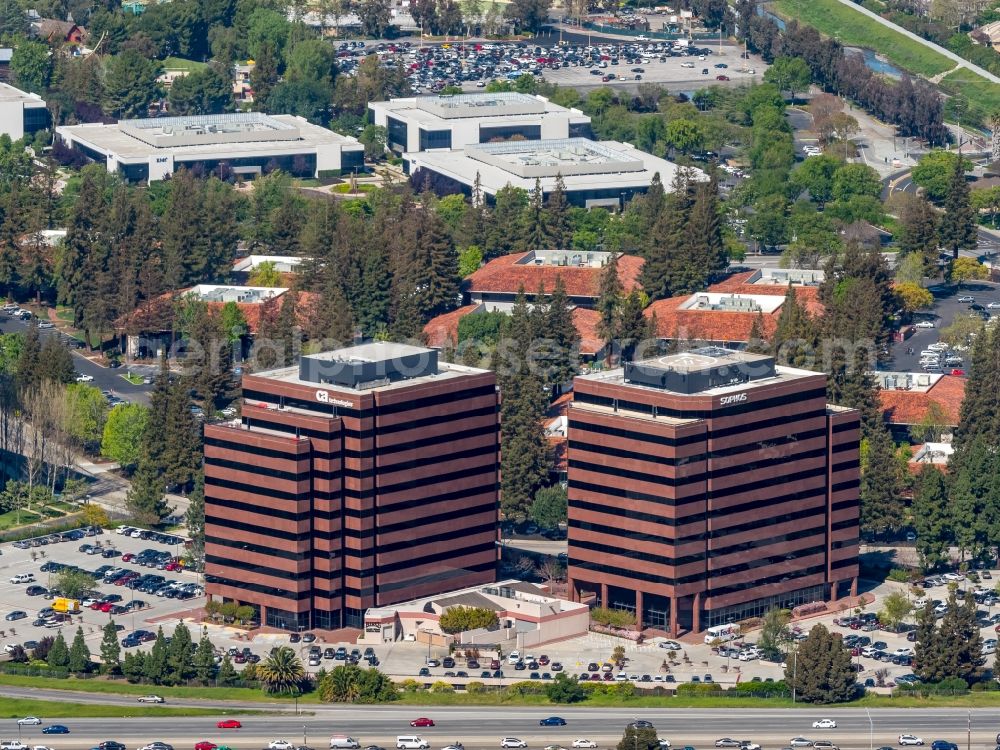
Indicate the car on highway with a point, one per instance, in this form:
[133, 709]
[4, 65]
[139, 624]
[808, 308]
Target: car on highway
[910, 739]
[454, 746]
[157, 745]
[29, 721]
[279, 745]
[727, 742]
[800, 742]
[512, 742]
[229, 724]
[641, 724]
[584, 743]
[552, 721]
[825, 724]
[943, 745]
[110, 745]
[423, 721]
[55, 729]
[205, 745]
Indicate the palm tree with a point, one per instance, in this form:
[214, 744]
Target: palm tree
[281, 672]
[342, 685]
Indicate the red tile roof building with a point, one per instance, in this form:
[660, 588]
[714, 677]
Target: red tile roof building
[910, 406]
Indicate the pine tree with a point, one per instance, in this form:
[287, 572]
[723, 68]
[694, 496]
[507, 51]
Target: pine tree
[79, 653]
[672, 266]
[145, 499]
[59, 653]
[822, 671]
[957, 230]
[634, 329]
[154, 438]
[434, 270]
[110, 650]
[852, 386]
[535, 235]
[180, 651]
[227, 673]
[329, 318]
[795, 338]
[608, 302]
[264, 75]
[881, 485]
[650, 206]
[204, 660]
[926, 654]
[182, 452]
[705, 230]
[194, 520]
[29, 362]
[157, 668]
[563, 350]
[55, 362]
[932, 518]
[952, 649]
[557, 220]
[208, 367]
[287, 333]
[975, 497]
[757, 343]
[506, 226]
[919, 231]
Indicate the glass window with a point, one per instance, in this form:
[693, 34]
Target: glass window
[434, 139]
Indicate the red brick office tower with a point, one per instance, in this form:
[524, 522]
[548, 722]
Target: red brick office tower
[358, 478]
[710, 486]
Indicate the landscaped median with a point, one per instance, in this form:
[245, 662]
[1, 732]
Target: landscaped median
[15, 708]
[854, 29]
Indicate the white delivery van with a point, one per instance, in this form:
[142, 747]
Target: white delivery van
[411, 742]
[343, 742]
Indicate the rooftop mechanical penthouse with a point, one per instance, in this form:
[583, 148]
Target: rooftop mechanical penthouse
[358, 478]
[708, 487]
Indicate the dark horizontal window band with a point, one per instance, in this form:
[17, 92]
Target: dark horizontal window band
[575, 463]
[776, 442]
[845, 563]
[614, 490]
[750, 406]
[436, 479]
[621, 550]
[388, 528]
[775, 482]
[484, 450]
[228, 562]
[768, 463]
[437, 420]
[255, 489]
[777, 578]
[447, 437]
[272, 551]
[844, 543]
[449, 554]
[258, 510]
[639, 437]
[450, 397]
[619, 513]
[258, 588]
[846, 504]
[437, 577]
[850, 523]
[844, 447]
[607, 450]
[229, 523]
[263, 471]
[253, 449]
[851, 484]
[845, 426]
[847, 465]
[444, 536]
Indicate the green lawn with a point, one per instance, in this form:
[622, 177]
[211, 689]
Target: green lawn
[10, 519]
[983, 96]
[65, 314]
[179, 63]
[857, 30]
[133, 379]
[13, 708]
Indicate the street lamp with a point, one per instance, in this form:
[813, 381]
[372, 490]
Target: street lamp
[871, 731]
[795, 671]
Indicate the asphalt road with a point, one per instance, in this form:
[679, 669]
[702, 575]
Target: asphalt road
[482, 727]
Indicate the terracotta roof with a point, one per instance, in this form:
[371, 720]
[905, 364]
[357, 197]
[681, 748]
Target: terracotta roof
[586, 322]
[705, 325]
[808, 296]
[442, 331]
[504, 276]
[910, 407]
[559, 407]
[560, 453]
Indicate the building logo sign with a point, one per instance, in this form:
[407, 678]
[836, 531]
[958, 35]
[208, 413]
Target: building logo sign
[324, 398]
[161, 159]
[736, 398]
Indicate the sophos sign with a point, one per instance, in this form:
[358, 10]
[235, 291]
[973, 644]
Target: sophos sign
[736, 398]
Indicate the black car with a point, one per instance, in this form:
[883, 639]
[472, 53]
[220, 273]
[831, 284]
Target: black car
[17, 614]
[641, 724]
[552, 721]
[35, 590]
[111, 745]
[308, 638]
[294, 638]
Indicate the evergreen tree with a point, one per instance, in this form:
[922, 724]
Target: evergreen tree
[881, 485]
[435, 267]
[535, 234]
[563, 340]
[227, 673]
[182, 454]
[79, 653]
[975, 497]
[926, 653]
[208, 366]
[58, 657]
[557, 221]
[194, 520]
[979, 414]
[649, 206]
[180, 652]
[134, 666]
[919, 231]
[204, 660]
[506, 227]
[145, 499]
[795, 341]
[757, 342]
[639, 738]
[608, 301]
[822, 672]
[264, 76]
[705, 230]
[157, 667]
[634, 328]
[673, 265]
[957, 229]
[932, 518]
[953, 648]
[55, 362]
[851, 385]
[110, 650]
[329, 318]
[154, 437]
[29, 362]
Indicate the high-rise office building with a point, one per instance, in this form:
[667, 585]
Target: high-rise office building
[360, 477]
[710, 486]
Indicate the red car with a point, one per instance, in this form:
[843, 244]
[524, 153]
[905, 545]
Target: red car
[96, 605]
[229, 724]
[421, 722]
[106, 606]
[722, 78]
[958, 372]
[205, 745]
[128, 557]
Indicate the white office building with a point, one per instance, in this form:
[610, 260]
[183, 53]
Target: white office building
[595, 173]
[244, 144]
[456, 121]
[21, 113]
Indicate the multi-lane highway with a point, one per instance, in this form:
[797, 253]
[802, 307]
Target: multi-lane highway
[482, 727]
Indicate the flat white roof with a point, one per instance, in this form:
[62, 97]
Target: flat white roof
[495, 109]
[117, 139]
[588, 165]
[726, 302]
[230, 293]
[10, 94]
[281, 262]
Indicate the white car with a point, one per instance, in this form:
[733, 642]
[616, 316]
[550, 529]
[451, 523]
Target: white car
[800, 742]
[923, 324]
[910, 739]
[584, 743]
[150, 699]
[512, 742]
[29, 721]
[670, 645]
[825, 724]
[279, 745]
[963, 298]
[84, 378]
[993, 306]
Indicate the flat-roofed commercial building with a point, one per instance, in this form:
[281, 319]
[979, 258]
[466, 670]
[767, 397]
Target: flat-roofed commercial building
[710, 486]
[245, 143]
[595, 173]
[454, 122]
[21, 113]
[359, 478]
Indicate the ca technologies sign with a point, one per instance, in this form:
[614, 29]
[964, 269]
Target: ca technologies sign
[736, 398]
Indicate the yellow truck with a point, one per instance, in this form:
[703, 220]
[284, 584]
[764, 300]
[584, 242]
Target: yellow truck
[68, 606]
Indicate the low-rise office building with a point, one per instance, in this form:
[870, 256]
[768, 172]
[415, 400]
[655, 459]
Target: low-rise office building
[242, 144]
[21, 113]
[594, 173]
[453, 122]
[708, 487]
[358, 478]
